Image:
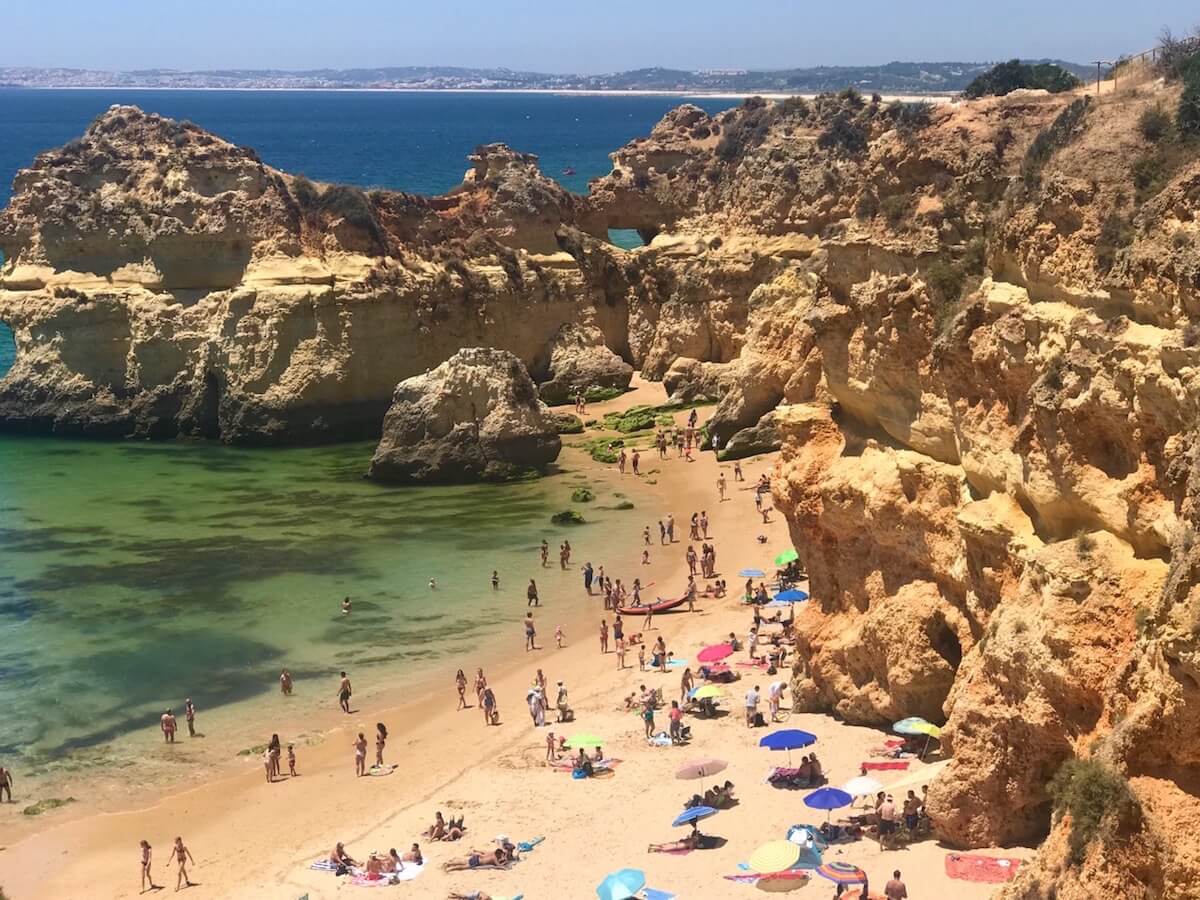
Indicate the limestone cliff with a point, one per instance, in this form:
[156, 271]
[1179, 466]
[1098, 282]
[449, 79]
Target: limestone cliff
[970, 324]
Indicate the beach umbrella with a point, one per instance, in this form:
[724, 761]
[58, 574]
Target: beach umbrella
[786, 557]
[583, 740]
[788, 739]
[714, 653]
[862, 786]
[915, 725]
[782, 882]
[828, 799]
[693, 815]
[621, 885]
[751, 573]
[774, 856]
[701, 768]
[841, 872]
[792, 595]
[705, 690]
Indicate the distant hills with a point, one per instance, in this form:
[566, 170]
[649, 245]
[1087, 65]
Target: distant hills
[892, 78]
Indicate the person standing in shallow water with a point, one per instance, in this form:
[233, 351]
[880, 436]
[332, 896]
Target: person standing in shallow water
[530, 633]
[6, 784]
[531, 594]
[168, 725]
[495, 580]
[344, 692]
[189, 713]
[285, 682]
[545, 553]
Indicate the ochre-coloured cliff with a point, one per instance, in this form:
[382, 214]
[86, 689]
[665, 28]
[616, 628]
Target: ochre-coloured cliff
[971, 324]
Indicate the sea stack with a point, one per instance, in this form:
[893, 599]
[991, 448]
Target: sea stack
[476, 417]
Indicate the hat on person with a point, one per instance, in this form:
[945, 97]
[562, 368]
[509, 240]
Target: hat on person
[502, 839]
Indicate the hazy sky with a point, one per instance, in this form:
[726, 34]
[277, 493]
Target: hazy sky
[569, 35]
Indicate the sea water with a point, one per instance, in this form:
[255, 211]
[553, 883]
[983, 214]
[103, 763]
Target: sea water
[133, 575]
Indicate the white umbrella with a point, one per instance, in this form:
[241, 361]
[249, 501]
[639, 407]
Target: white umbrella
[862, 786]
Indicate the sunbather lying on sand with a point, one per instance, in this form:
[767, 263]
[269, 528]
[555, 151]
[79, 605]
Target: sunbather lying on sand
[474, 895]
[693, 841]
[478, 859]
[441, 830]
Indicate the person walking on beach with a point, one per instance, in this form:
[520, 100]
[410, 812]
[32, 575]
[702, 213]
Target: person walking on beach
[6, 784]
[691, 593]
[531, 594]
[285, 682]
[686, 683]
[292, 760]
[360, 755]
[182, 857]
[633, 459]
[690, 556]
[670, 528]
[646, 535]
[737, 470]
[189, 713]
[167, 724]
[269, 766]
[752, 698]
[480, 684]
[495, 580]
[460, 682]
[273, 753]
[588, 575]
[662, 532]
[147, 878]
[603, 635]
[380, 742]
[621, 462]
[530, 633]
[721, 486]
[545, 553]
[343, 693]
[488, 702]
[704, 523]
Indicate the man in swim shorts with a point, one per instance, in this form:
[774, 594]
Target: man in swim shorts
[344, 693]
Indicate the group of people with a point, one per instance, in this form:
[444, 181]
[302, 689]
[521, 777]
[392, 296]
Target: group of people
[168, 724]
[179, 853]
[271, 758]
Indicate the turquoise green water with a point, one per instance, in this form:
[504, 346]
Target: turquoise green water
[134, 575]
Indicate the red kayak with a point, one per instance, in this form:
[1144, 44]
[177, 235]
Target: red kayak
[661, 606]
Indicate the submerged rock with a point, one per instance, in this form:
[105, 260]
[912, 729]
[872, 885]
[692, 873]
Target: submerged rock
[579, 360]
[476, 417]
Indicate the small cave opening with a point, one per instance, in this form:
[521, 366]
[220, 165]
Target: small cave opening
[628, 238]
[8, 349]
[210, 408]
[944, 641]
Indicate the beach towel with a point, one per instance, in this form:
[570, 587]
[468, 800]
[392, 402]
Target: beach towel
[757, 664]
[410, 871]
[652, 894]
[527, 846]
[676, 663]
[899, 765]
[379, 771]
[981, 868]
[324, 865]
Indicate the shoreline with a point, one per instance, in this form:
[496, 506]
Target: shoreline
[942, 97]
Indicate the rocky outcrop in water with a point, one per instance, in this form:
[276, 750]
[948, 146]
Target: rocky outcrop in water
[475, 417]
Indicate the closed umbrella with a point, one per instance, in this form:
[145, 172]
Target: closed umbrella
[701, 768]
[788, 739]
[621, 885]
[775, 856]
[828, 799]
[714, 653]
[693, 815]
[786, 557]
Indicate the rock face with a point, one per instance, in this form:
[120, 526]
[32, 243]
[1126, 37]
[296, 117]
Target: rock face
[579, 360]
[475, 417]
[971, 325]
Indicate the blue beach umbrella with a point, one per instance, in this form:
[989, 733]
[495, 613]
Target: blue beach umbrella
[788, 739]
[693, 815]
[792, 596]
[751, 573]
[828, 799]
[621, 885]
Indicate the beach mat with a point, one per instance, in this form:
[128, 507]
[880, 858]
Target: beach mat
[990, 869]
[896, 765]
[379, 771]
[410, 871]
[323, 865]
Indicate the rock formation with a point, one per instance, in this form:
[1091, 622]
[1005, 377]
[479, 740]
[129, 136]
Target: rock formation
[475, 417]
[970, 325]
[579, 359]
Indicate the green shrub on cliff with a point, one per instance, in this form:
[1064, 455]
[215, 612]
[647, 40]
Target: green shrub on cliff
[1007, 77]
[844, 134]
[1058, 134]
[1096, 798]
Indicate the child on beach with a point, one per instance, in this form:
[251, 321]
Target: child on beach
[641, 657]
[645, 557]
[558, 636]
[292, 760]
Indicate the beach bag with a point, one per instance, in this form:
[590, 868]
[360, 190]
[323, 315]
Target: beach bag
[759, 721]
[341, 870]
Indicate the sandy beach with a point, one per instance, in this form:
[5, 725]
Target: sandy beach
[252, 839]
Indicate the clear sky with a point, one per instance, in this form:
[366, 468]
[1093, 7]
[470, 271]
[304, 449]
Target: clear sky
[569, 35]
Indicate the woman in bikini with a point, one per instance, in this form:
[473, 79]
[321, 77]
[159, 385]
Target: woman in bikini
[274, 749]
[182, 856]
[147, 878]
[480, 684]
[360, 755]
[460, 682]
[380, 742]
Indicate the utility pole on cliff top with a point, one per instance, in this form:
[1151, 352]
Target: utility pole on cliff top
[1099, 63]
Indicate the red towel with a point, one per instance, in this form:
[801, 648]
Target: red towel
[899, 765]
[981, 868]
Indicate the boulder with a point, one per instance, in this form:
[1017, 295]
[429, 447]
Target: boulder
[762, 437]
[476, 417]
[579, 359]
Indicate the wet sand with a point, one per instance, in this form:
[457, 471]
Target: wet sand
[251, 839]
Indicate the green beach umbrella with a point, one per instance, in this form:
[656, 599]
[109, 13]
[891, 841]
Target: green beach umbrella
[583, 740]
[786, 557]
